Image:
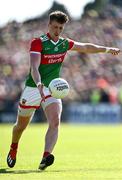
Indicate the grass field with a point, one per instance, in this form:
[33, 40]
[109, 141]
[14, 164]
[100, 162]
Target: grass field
[83, 152]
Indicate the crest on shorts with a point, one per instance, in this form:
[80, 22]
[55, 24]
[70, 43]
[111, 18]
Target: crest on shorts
[24, 101]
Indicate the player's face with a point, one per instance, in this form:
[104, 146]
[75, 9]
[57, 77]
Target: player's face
[55, 29]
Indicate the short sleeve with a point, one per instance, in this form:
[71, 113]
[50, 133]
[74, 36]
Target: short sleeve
[71, 43]
[36, 45]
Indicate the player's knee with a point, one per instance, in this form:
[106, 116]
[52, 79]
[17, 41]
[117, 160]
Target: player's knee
[55, 121]
[56, 124]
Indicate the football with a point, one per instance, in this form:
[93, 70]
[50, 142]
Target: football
[59, 88]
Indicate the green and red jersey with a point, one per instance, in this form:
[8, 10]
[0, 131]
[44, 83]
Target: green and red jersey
[52, 56]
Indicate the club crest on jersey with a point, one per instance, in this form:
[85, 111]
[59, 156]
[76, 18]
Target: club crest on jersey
[56, 49]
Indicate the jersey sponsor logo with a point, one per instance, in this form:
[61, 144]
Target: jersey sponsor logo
[52, 58]
[48, 56]
[53, 61]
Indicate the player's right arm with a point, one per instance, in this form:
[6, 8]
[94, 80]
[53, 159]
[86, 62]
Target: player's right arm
[35, 58]
[34, 64]
[94, 48]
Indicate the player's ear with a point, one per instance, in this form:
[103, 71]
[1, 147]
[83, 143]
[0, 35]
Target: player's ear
[49, 23]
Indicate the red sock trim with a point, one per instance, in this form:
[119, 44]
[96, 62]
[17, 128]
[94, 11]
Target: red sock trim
[14, 146]
[46, 153]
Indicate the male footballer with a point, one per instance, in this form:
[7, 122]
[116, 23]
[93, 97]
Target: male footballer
[47, 54]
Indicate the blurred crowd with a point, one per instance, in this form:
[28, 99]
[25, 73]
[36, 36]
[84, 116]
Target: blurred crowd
[92, 77]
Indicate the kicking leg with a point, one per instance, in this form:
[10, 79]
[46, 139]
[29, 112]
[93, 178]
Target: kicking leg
[53, 115]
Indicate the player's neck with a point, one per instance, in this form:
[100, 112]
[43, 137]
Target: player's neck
[54, 38]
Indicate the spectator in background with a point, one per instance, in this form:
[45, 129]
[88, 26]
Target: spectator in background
[104, 96]
[95, 96]
[103, 85]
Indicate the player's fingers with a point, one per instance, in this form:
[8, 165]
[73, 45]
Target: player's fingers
[43, 97]
[115, 53]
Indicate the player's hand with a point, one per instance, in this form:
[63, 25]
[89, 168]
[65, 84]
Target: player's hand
[114, 51]
[40, 88]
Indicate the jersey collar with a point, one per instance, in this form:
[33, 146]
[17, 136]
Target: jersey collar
[54, 42]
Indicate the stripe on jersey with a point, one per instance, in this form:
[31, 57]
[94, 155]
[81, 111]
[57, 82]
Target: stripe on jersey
[34, 52]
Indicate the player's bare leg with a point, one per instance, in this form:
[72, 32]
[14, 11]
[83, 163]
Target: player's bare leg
[53, 115]
[18, 129]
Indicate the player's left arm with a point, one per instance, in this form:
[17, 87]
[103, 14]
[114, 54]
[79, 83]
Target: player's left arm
[93, 48]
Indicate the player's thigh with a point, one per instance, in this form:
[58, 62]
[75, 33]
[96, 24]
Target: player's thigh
[30, 98]
[53, 113]
[29, 102]
[25, 113]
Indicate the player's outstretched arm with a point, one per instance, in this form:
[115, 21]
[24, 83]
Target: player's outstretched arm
[93, 48]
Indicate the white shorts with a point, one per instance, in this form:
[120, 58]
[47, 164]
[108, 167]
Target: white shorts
[31, 100]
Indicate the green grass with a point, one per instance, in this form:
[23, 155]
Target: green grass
[83, 152]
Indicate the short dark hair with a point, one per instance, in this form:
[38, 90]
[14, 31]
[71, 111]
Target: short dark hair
[58, 16]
